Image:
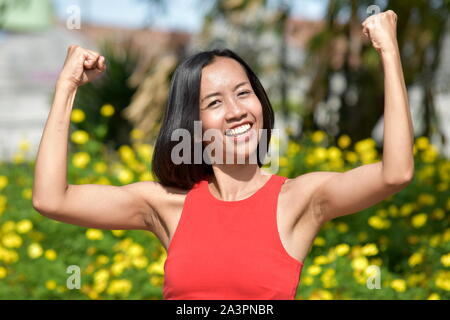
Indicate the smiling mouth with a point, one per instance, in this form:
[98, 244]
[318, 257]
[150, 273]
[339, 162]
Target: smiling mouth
[242, 130]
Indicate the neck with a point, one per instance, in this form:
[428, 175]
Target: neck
[231, 182]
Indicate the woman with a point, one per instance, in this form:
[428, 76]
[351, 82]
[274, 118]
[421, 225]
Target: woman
[231, 231]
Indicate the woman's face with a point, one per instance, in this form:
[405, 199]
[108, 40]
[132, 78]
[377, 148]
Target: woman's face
[227, 100]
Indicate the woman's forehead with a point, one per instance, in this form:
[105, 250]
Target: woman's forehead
[223, 72]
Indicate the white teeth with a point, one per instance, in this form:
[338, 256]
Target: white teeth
[239, 130]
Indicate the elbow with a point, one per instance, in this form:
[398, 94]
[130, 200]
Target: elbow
[401, 181]
[401, 177]
[43, 208]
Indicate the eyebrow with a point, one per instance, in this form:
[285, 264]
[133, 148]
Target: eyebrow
[217, 93]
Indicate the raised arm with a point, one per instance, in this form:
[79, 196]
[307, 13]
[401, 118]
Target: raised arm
[95, 206]
[339, 194]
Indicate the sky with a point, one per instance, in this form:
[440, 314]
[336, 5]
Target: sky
[179, 14]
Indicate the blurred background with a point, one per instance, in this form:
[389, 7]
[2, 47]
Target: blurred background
[325, 82]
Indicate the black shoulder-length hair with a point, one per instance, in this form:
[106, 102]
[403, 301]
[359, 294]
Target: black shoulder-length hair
[183, 109]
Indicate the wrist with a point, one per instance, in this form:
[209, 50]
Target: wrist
[65, 85]
[389, 52]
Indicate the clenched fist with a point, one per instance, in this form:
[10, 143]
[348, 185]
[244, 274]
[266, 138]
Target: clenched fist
[81, 66]
[381, 29]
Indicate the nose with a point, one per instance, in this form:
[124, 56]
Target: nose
[235, 110]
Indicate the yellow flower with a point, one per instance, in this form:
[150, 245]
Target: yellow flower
[406, 209]
[342, 227]
[126, 153]
[8, 226]
[3, 182]
[328, 279]
[118, 233]
[146, 176]
[145, 151]
[18, 158]
[3, 272]
[445, 260]
[135, 250]
[101, 275]
[12, 240]
[50, 284]
[398, 285]
[344, 141]
[156, 280]
[376, 261]
[136, 134]
[320, 260]
[140, 262]
[27, 193]
[35, 250]
[370, 249]
[24, 145]
[23, 226]
[360, 263]
[103, 180]
[100, 167]
[119, 286]
[319, 241]
[107, 110]
[321, 294]
[438, 214]
[442, 280]
[426, 199]
[77, 116]
[435, 240]
[415, 259]
[364, 146]
[308, 280]
[81, 159]
[419, 220]
[80, 137]
[283, 161]
[342, 249]
[156, 267]
[378, 223]
[125, 176]
[351, 156]
[434, 296]
[422, 143]
[293, 148]
[91, 250]
[318, 136]
[314, 270]
[320, 154]
[334, 154]
[430, 155]
[369, 156]
[117, 268]
[446, 235]
[94, 234]
[50, 254]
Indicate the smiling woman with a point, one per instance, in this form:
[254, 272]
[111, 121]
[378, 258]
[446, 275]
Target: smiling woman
[231, 230]
[219, 89]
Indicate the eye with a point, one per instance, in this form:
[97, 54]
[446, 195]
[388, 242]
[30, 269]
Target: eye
[244, 92]
[212, 103]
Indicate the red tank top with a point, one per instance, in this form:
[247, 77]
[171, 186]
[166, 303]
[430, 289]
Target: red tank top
[230, 249]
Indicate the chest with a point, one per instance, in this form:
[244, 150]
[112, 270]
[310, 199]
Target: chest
[295, 229]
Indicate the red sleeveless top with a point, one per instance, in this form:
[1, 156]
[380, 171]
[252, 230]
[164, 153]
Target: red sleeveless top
[230, 249]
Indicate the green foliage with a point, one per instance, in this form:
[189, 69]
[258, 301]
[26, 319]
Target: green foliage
[406, 235]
